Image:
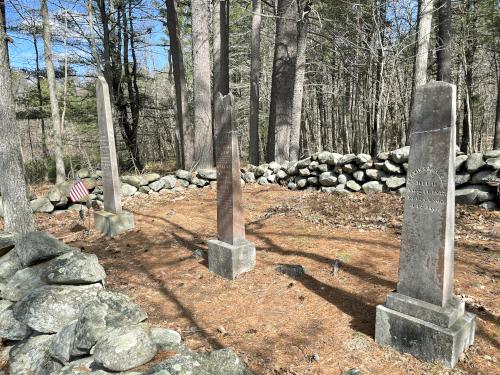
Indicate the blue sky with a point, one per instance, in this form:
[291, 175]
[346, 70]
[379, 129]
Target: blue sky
[22, 51]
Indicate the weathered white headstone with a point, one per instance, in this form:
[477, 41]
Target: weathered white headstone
[423, 317]
[231, 254]
[113, 220]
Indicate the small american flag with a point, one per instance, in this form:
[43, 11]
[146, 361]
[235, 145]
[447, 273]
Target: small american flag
[78, 191]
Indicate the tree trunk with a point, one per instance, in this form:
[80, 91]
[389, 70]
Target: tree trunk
[285, 61]
[183, 133]
[254, 151]
[54, 105]
[224, 47]
[496, 138]
[16, 208]
[203, 140]
[298, 89]
[444, 41]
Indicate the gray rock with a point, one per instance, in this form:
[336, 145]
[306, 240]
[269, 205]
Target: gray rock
[292, 169]
[313, 181]
[461, 179]
[249, 177]
[465, 196]
[165, 339]
[346, 159]
[9, 265]
[220, 362]
[270, 178]
[491, 154]
[32, 357]
[145, 189]
[359, 176]
[50, 308]
[169, 182]
[363, 158]
[90, 327]
[474, 162]
[151, 177]
[342, 179]
[378, 165]
[11, 328]
[324, 156]
[349, 168]
[24, 282]
[334, 159]
[208, 174]
[373, 187]
[61, 345]
[74, 267]
[327, 189]
[127, 190]
[400, 155]
[292, 186]
[301, 183]
[338, 169]
[262, 181]
[281, 175]
[184, 183]
[322, 168]
[274, 166]
[292, 270]
[405, 167]
[477, 178]
[367, 165]
[124, 348]
[475, 194]
[90, 183]
[304, 172]
[395, 182]
[54, 194]
[121, 310]
[402, 191]
[341, 189]
[77, 207]
[80, 366]
[383, 156]
[7, 242]
[184, 175]
[493, 163]
[83, 173]
[314, 165]
[375, 174]
[37, 246]
[353, 185]
[261, 169]
[304, 163]
[157, 185]
[391, 168]
[42, 205]
[489, 205]
[135, 181]
[460, 161]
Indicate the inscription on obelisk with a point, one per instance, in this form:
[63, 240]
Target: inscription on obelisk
[109, 164]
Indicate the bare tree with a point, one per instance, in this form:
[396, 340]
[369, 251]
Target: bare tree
[17, 211]
[254, 151]
[444, 41]
[54, 105]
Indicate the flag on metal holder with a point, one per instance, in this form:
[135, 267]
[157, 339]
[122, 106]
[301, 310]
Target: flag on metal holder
[78, 191]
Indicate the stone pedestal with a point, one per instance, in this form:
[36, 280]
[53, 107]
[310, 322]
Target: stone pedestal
[427, 331]
[113, 224]
[424, 318]
[230, 261]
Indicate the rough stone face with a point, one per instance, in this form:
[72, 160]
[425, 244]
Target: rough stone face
[61, 346]
[375, 174]
[274, 166]
[127, 190]
[373, 187]
[9, 265]
[121, 310]
[477, 178]
[466, 196]
[74, 267]
[400, 155]
[208, 174]
[32, 357]
[11, 328]
[281, 175]
[24, 282]
[90, 183]
[493, 163]
[230, 261]
[301, 183]
[135, 181]
[391, 168]
[169, 182]
[249, 177]
[54, 194]
[50, 308]
[304, 163]
[334, 159]
[164, 338]
[342, 179]
[461, 179]
[474, 162]
[37, 246]
[151, 177]
[327, 179]
[491, 154]
[460, 161]
[7, 242]
[363, 158]
[489, 205]
[262, 181]
[395, 182]
[124, 348]
[359, 176]
[353, 185]
[292, 169]
[42, 205]
[304, 172]
[324, 156]
[113, 224]
[220, 362]
[157, 185]
[349, 168]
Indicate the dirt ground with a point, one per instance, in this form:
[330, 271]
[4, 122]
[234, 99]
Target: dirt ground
[320, 323]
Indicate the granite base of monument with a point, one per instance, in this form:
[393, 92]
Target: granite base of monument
[230, 261]
[427, 331]
[113, 224]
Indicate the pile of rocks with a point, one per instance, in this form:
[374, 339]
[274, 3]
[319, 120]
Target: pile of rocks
[56, 317]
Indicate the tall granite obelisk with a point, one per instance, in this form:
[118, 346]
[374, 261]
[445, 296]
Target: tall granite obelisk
[423, 317]
[231, 254]
[113, 220]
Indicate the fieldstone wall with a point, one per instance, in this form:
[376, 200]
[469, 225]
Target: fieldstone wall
[477, 179]
[57, 318]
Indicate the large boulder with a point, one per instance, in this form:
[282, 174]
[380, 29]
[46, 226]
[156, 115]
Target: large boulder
[164, 338]
[7, 242]
[184, 175]
[491, 154]
[375, 174]
[32, 357]
[24, 282]
[395, 182]
[42, 205]
[83, 173]
[478, 177]
[62, 345]
[34, 247]
[220, 362]
[169, 182]
[151, 177]
[461, 179]
[121, 349]
[474, 162]
[50, 308]
[400, 155]
[208, 174]
[475, 194]
[135, 181]
[157, 185]
[74, 267]
[390, 167]
[127, 190]
[493, 163]
[9, 265]
[460, 161]
[10, 327]
[346, 159]
[373, 187]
